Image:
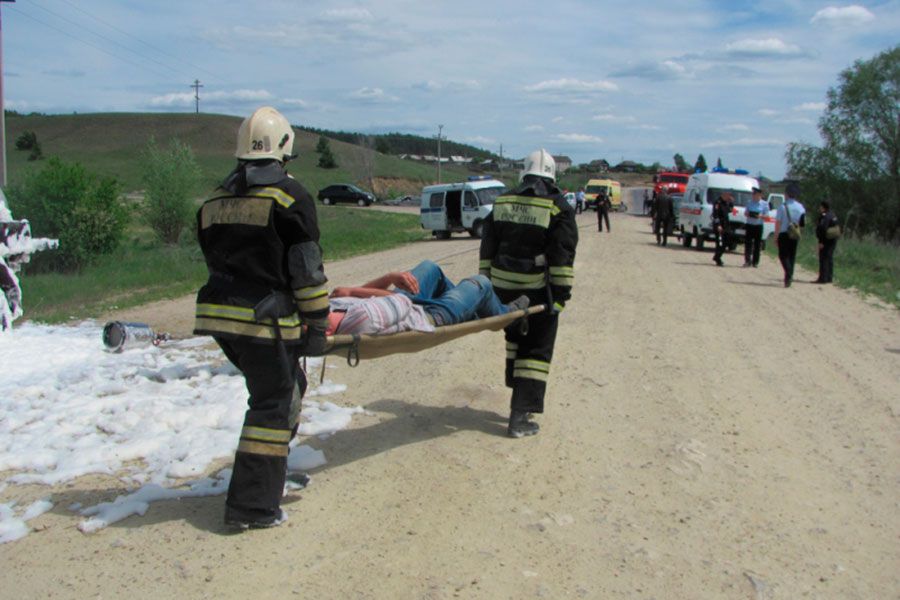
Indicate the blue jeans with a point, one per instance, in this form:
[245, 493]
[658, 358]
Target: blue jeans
[449, 304]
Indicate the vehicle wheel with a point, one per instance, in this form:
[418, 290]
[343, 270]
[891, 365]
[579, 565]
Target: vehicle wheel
[477, 230]
[442, 235]
[326, 200]
[361, 202]
[686, 240]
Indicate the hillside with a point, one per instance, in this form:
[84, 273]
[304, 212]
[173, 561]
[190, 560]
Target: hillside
[112, 144]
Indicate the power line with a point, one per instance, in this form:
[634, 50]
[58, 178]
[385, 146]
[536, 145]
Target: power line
[137, 39]
[96, 47]
[110, 40]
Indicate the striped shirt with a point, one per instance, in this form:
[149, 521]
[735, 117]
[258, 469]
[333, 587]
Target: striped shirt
[380, 314]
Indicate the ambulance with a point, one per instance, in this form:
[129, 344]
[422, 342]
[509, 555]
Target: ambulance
[701, 192]
[612, 188]
[458, 207]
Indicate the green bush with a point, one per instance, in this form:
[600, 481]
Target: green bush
[26, 140]
[82, 210]
[326, 159]
[171, 176]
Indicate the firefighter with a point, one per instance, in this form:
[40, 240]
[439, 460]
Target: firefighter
[528, 248]
[265, 304]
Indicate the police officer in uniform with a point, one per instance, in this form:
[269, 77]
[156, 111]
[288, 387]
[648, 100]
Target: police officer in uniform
[265, 303]
[603, 206]
[528, 248]
[722, 224]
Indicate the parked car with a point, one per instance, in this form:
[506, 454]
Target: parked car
[344, 192]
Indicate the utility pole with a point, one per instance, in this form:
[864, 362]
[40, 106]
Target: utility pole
[2, 111]
[196, 85]
[500, 165]
[440, 128]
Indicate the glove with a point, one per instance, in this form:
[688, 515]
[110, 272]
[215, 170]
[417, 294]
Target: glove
[314, 342]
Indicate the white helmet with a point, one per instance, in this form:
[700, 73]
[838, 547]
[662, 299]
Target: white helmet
[539, 163]
[265, 134]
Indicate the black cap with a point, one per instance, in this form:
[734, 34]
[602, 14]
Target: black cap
[756, 190]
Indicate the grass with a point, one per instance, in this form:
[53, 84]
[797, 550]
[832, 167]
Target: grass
[864, 264]
[113, 144]
[145, 270]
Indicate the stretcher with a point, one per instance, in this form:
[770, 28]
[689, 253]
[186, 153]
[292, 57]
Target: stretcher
[365, 346]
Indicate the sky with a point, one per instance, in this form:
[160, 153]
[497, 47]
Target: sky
[588, 79]
[151, 416]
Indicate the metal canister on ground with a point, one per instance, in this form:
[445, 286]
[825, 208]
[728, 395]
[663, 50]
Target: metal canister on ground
[119, 336]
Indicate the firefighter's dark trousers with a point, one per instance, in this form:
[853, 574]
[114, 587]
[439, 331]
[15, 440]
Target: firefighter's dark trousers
[528, 356]
[276, 384]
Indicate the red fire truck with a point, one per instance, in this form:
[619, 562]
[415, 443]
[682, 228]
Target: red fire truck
[673, 183]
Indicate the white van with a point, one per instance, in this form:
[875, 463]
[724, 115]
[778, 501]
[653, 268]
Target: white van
[695, 213]
[456, 207]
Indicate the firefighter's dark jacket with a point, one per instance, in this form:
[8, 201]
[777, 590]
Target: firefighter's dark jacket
[529, 236]
[260, 237]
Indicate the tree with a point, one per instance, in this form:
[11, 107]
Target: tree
[26, 140]
[680, 164]
[322, 144]
[382, 146]
[856, 169]
[719, 163]
[326, 159]
[171, 176]
[700, 165]
[82, 210]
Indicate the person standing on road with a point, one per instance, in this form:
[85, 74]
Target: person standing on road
[721, 221]
[603, 206]
[265, 304]
[790, 212]
[529, 248]
[664, 215]
[756, 210]
[579, 201]
[827, 220]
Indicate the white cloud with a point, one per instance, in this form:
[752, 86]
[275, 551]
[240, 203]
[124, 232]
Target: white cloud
[534, 128]
[294, 102]
[572, 85]
[767, 112]
[811, 106]
[372, 95]
[840, 16]
[761, 48]
[480, 140]
[645, 127]
[437, 86]
[733, 127]
[664, 70]
[177, 99]
[611, 118]
[795, 121]
[348, 15]
[579, 138]
[558, 119]
[744, 142]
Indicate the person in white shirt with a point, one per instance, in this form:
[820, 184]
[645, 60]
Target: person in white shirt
[791, 211]
[756, 210]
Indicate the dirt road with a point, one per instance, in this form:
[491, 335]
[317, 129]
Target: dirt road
[709, 434]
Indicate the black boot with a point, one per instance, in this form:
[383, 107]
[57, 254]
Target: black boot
[240, 520]
[520, 424]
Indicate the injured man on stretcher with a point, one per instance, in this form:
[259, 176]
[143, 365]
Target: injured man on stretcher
[416, 300]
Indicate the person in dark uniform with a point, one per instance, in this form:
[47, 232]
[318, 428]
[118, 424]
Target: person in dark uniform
[603, 206]
[827, 220]
[529, 248]
[663, 217]
[791, 212]
[721, 221]
[265, 304]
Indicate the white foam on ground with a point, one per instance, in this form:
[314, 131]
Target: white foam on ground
[150, 416]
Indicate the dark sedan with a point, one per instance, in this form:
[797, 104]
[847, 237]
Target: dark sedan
[344, 192]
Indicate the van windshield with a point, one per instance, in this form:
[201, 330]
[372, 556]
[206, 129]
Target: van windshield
[596, 189]
[740, 198]
[486, 196]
